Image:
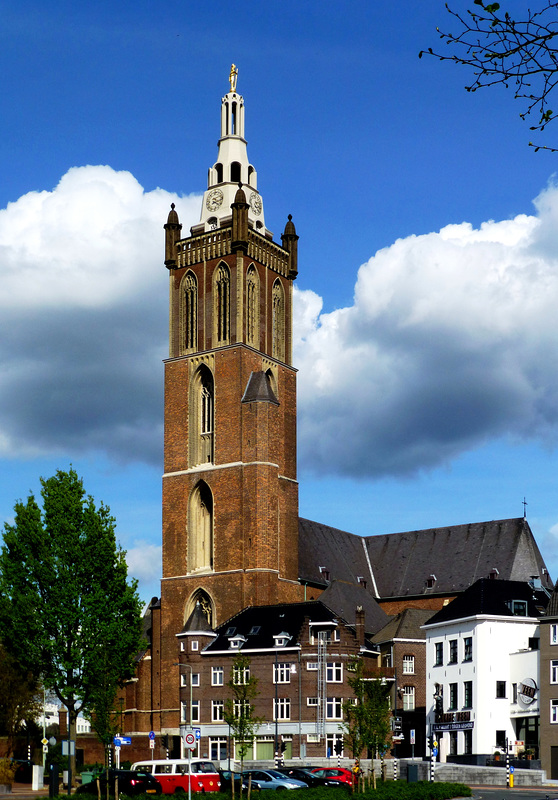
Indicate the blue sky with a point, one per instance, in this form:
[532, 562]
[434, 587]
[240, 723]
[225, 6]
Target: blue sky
[426, 342]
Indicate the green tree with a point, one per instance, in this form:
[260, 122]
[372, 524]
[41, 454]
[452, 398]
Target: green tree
[239, 709]
[367, 725]
[18, 698]
[502, 49]
[67, 610]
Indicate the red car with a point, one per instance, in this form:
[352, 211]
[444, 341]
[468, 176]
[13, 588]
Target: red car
[335, 774]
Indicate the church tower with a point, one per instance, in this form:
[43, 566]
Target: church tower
[230, 492]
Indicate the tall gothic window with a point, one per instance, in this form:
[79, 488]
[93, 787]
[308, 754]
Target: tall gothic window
[202, 418]
[221, 306]
[252, 307]
[188, 312]
[200, 529]
[202, 599]
[278, 321]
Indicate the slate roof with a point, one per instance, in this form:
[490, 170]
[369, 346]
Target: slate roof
[552, 608]
[343, 598]
[406, 625]
[197, 622]
[398, 565]
[259, 624]
[488, 597]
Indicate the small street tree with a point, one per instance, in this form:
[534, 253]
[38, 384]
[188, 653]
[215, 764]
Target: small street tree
[499, 48]
[367, 725]
[67, 610]
[239, 709]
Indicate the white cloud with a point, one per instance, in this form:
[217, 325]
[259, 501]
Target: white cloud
[83, 316]
[145, 563]
[451, 340]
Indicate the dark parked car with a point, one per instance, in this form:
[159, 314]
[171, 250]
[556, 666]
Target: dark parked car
[226, 777]
[313, 781]
[130, 782]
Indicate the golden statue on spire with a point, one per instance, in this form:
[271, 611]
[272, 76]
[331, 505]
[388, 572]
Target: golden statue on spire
[233, 77]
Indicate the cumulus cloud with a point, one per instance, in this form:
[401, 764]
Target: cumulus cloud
[145, 563]
[83, 316]
[451, 341]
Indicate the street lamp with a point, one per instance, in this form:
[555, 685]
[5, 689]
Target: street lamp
[186, 666]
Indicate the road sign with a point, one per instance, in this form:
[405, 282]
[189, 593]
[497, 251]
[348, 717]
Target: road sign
[197, 733]
[435, 743]
[45, 748]
[190, 738]
[435, 752]
[152, 735]
[152, 744]
[512, 769]
[44, 741]
[120, 740]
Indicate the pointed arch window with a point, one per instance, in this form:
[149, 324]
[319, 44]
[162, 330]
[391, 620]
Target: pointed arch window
[235, 172]
[222, 285]
[200, 529]
[188, 313]
[252, 307]
[202, 418]
[202, 600]
[278, 321]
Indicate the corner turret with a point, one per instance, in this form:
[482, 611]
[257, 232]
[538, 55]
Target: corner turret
[172, 235]
[289, 240]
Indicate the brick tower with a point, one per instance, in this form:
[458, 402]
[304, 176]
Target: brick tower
[230, 493]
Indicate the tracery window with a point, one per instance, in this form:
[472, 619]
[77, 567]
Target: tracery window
[222, 286]
[278, 321]
[202, 418]
[252, 307]
[200, 529]
[188, 312]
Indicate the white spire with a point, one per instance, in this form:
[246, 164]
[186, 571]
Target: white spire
[231, 168]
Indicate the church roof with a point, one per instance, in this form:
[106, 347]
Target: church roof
[343, 598]
[434, 561]
[491, 597]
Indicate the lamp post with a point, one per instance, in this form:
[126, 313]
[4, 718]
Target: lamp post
[276, 712]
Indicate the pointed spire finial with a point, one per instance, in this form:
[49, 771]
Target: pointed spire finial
[233, 77]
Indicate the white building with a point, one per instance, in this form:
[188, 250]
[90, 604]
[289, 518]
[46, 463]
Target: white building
[482, 670]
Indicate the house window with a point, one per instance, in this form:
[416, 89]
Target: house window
[183, 712]
[193, 646]
[554, 711]
[217, 710]
[334, 708]
[501, 740]
[281, 673]
[453, 743]
[334, 672]
[195, 716]
[468, 694]
[217, 748]
[500, 689]
[241, 709]
[554, 634]
[468, 648]
[554, 671]
[408, 698]
[195, 679]
[439, 658]
[408, 665]
[467, 742]
[514, 693]
[311, 701]
[184, 679]
[452, 697]
[217, 676]
[312, 666]
[453, 651]
[282, 708]
[332, 743]
[240, 675]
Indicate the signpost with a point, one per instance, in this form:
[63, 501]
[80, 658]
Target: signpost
[189, 738]
[118, 742]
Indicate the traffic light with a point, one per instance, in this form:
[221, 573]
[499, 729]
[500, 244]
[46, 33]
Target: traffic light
[165, 741]
[338, 747]
[283, 746]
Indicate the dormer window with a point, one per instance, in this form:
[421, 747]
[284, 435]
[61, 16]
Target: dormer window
[255, 629]
[230, 631]
[493, 574]
[282, 639]
[517, 607]
[236, 642]
[324, 572]
[361, 581]
[430, 581]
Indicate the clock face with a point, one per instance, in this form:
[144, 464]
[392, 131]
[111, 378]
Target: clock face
[214, 200]
[256, 203]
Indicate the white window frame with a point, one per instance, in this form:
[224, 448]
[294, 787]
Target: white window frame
[220, 742]
[334, 708]
[195, 679]
[282, 708]
[408, 665]
[183, 711]
[553, 712]
[554, 633]
[240, 676]
[312, 666]
[554, 670]
[408, 698]
[195, 711]
[217, 710]
[334, 672]
[194, 645]
[217, 676]
[313, 702]
[282, 672]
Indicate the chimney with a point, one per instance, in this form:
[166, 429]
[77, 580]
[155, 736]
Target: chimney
[360, 625]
